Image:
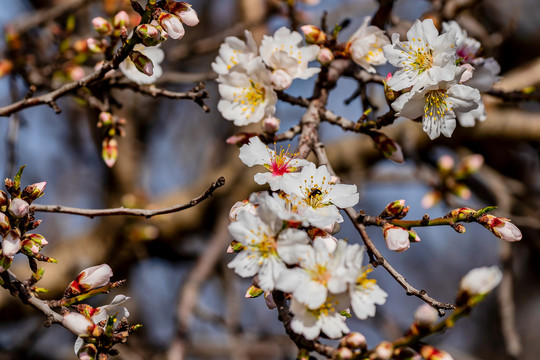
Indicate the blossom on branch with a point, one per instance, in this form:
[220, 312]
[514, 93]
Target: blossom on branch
[366, 44]
[233, 52]
[279, 166]
[91, 278]
[246, 93]
[286, 58]
[426, 58]
[480, 281]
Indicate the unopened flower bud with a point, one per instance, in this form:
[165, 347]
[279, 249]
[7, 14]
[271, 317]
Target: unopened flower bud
[479, 281]
[354, 340]
[37, 238]
[428, 352]
[3, 198]
[75, 72]
[95, 46]
[253, 292]
[343, 353]
[34, 191]
[91, 278]
[142, 63]
[121, 19]
[102, 26]
[425, 316]
[240, 138]
[4, 223]
[445, 163]
[468, 71]
[325, 56]
[80, 46]
[105, 119]
[30, 248]
[313, 34]
[18, 208]
[11, 243]
[501, 227]
[469, 165]
[172, 25]
[184, 11]
[430, 199]
[78, 324]
[87, 352]
[396, 238]
[462, 191]
[5, 262]
[271, 124]
[384, 350]
[147, 31]
[388, 147]
[396, 209]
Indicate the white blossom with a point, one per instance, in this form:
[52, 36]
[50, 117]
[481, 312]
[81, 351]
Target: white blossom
[327, 318]
[246, 93]
[129, 70]
[11, 243]
[320, 196]
[266, 246]
[279, 165]
[233, 52]
[320, 272]
[396, 238]
[94, 277]
[366, 46]
[78, 324]
[426, 58]
[436, 105]
[364, 292]
[481, 280]
[287, 59]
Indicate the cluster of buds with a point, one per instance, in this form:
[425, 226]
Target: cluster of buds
[106, 29]
[452, 177]
[351, 346]
[112, 127]
[16, 219]
[99, 329]
[315, 36]
[397, 238]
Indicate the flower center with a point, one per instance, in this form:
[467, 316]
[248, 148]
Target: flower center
[319, 274]
[327, 308]
[250, 97]
[362, 280]
[280, 163]
[436, 104]
[267, 246]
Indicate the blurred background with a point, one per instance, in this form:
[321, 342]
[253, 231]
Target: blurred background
[176, 266]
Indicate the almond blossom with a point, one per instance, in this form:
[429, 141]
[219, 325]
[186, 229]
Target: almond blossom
[436, 105]
[246, 93]
[426, 58]
[266, 247]
[480, 281]
[320, 196]
[366, 44]
[327, 318]
[233, 52]
[286, 58]
[364, 292]
[321, 272]
[279, 165]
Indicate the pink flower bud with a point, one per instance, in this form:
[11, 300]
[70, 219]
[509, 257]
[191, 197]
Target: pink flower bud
[313, 34]
[102, 26]
[430, 199]
[425, 316]
[78, 324]
[325, 56]
[445, 163]
[95, 46]
[121, 19]
[18, 208]
[30, 248]
[343, 353]
[4, 223]
[396, 238]
[462, 191]
[428, 352]
[11, 243]
[37, 238]
[188, 15]
[147, 31]
[33, 192]
[388, 76]
[109, 151]
[172, 25]
[384, 350]
[396, 209]
[501, 228]
[354, 340]
[3, 198]
[271, 124]
[280, 79]
[240, 138]
[469, 165]
[91, 278]
[480, 281]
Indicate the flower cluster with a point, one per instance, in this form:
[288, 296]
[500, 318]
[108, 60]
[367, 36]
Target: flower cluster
[248, 75]
[435, 86]
[285, 239]
[16, 220]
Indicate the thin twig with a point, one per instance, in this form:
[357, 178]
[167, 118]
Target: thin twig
[91, 213]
